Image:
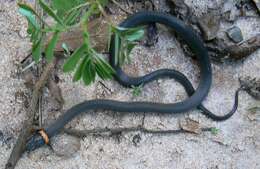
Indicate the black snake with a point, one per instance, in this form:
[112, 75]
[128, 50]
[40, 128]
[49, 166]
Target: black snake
[195, 96]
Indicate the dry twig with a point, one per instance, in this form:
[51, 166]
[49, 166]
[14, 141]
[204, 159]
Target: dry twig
[115, 131]
[27, 127]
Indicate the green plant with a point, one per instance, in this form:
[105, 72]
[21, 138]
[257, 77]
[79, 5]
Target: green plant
[124, 41]
[214, 130]
[137, 90]
[85, 61]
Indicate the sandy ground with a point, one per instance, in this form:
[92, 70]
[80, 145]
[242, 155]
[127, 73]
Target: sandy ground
[236, 146]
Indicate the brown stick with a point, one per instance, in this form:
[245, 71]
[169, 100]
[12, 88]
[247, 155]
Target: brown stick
[110, 132]
[27, 127]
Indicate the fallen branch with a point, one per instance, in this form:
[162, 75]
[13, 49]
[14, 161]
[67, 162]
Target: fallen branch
[116, 131]
[27, 127]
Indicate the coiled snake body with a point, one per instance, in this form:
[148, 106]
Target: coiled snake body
[194, 101]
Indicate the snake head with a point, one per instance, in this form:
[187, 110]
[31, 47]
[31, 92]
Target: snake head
[35, 141]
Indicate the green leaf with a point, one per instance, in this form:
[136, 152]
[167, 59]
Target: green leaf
[35, 35]
[65, 5]
[130, 47]
[50, 12]
[126, 31]
[91, 71]
[135, 35]
[27, 8]
[74, 59]
[85, 77]
[49, 51]
[100, 72]
[124, 42]
[36, 51]
[34, 13]
[119, 29]
[78, 74]
[30, 28]
[72, 17]
[88, 71]
[29, 15]
[106, 69]
[132, 30]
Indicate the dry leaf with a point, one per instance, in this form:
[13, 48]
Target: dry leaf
[190, 125]
[254, 114]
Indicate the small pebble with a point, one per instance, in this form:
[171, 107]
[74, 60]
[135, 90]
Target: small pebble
[65, 145]
[235, 34]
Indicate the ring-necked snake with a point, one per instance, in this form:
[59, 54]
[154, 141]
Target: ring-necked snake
[194, 101]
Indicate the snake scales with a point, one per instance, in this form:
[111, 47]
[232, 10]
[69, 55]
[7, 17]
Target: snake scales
[195, 96]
